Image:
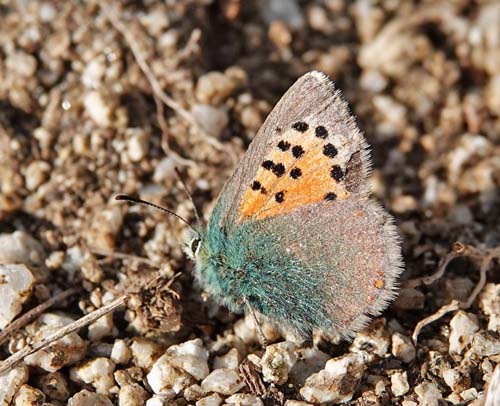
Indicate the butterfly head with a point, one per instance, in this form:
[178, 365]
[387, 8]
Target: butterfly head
[193, 245]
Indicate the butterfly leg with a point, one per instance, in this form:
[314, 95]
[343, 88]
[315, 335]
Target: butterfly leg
[260, 333]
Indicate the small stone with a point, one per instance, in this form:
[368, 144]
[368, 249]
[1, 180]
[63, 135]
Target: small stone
[20, 247]
[165, 170]
[311, 361]
[484, 344]
[194, 392]
[121, 352]
[373, 81]
[94, 72]
[230, 360]
[36, 174]
[225, 381]
[337, 382]
[279, 34]
[277, 362]
[191, 356]
[211, 400]
[399, 383]
[246, 330]
[288, 11]
[489, 301]
[428, 394]
[374, 339]
[178, 367]
[102, 327]
[104, 228]
[137, 144]
[65, 351]
[99, 108]
[297, 403]
[463, 326]
[458, 379]
[144, 352]
[97, 372]
[244, 399]
[212, 119]
[132, 395]
[251, 118]
[214, 87]
[10, 382]
[402, 348]
[87, 398]
[469, 395]
[54, 385]
[159, 400]
[16, 285]
[27, 395]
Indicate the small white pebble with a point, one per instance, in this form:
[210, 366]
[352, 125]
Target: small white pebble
[97, 372]
[337, 382]
[20, 247]
[98, 108]
[402, 348]
[132, 395]
[399, 383]
[144, 352]
[462, 328]
[244, 399]
[428, 394]
[27, 395]
[102, 327]
[225, 381]
[87, 398]
[10, 382]
[211, 400]
[230, 360]
[121, 353]
[137, 144]
[277, 362]
[36, 174]
[16, 285]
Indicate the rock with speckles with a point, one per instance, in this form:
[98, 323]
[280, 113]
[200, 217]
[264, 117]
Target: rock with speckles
[224, 381]
[337, 382]
[16, 284]
[277, 362]
[10, 382]
[463, 326]
[87, 398]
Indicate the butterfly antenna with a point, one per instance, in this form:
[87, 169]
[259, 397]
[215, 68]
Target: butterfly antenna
[133, 200]
[188, 192]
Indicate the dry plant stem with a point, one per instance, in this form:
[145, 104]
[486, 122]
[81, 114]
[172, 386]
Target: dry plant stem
[12, 361]
[111, 13]
[454, 305]
[121, 255]
[486, 256]
[165, 134]
[31, 315]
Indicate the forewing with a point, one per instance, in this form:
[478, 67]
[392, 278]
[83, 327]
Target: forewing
[308, 150]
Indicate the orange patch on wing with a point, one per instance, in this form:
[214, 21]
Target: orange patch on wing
[298, 171]
[379, 284]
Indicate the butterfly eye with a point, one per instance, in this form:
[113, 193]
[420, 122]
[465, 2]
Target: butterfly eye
[194, 245]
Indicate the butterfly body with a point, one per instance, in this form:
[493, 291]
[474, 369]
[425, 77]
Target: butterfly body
[294, 234]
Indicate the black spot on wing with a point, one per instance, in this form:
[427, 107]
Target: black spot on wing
[279, 197]
[295, 173]
[330, 151]
[337, 173]
[330, 196]
[283, 145]
[300, 126]
[268, 165]
[321, 132]
[256, 185]
[279, 170]
[297, 151]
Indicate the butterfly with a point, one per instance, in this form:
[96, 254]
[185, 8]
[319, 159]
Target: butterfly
[294, 235]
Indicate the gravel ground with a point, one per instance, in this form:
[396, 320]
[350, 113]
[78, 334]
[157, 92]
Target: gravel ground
[101, 98]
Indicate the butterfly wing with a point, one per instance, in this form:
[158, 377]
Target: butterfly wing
[314, 252]
[308, 142]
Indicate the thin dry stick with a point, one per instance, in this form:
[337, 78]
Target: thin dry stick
[454, 305]
[165, 134]
[31, 315]
[460, 250]
[12, 361]
[111, 14]
[121, 255]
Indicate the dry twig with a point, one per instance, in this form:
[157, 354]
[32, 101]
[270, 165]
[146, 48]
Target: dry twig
[12, 361]
[34, 313]
[484, 256]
